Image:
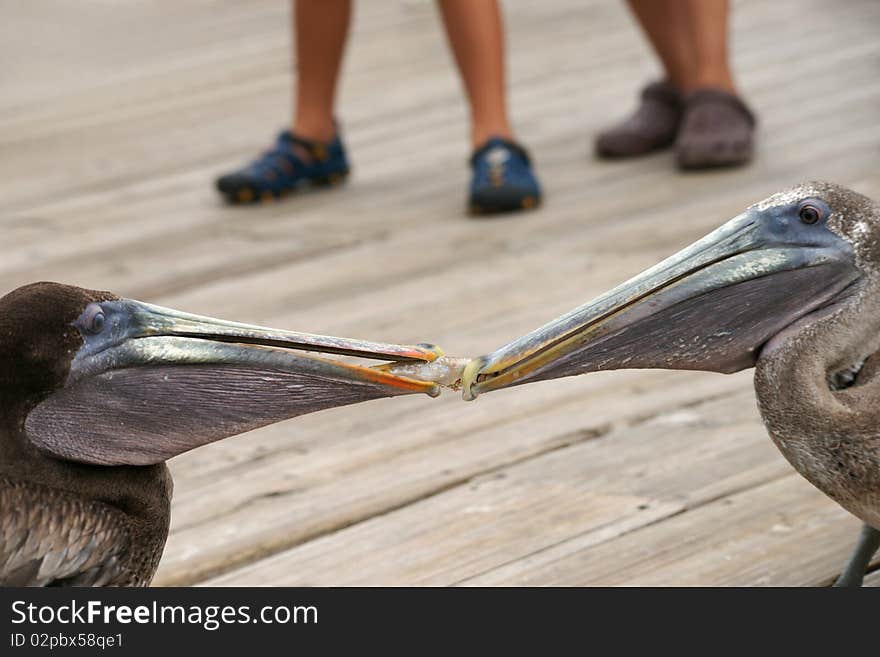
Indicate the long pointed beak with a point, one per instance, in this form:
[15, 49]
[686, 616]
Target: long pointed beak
[150, 383]
[710, 307]
[156, 320]
[148, 334]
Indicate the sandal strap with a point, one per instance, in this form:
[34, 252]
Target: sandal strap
[317, 149]
[282, 154]
[710, 96]
[495, 143]
[274, 160]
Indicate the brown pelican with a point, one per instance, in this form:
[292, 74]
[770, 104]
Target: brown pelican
[790, 287]
[97, 392]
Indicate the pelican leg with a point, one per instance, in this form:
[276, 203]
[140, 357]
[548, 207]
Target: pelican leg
[854, 573]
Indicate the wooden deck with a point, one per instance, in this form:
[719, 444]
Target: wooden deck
[114, 118]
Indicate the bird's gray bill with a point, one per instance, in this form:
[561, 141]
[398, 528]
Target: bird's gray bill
[709, 307]
[149, 382]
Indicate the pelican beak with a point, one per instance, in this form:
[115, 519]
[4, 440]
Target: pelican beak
[709, 307]
[139, 334]
[169, 381]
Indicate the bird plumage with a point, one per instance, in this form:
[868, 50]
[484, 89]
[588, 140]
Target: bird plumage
[790, 287]
[96, 392]
[53, 537]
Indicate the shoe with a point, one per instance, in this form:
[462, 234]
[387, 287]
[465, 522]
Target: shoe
[718, 130]
[652, 127]
[292, 163]
[503, 180]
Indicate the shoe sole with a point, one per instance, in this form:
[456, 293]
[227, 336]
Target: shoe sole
[483, 210]
[603, 153]
[249, 196]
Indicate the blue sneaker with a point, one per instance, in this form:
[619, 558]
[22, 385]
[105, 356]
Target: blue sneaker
[503, 179]
[290, 164]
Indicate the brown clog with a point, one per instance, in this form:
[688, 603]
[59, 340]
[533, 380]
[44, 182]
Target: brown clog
[653, 126]
[717, 131]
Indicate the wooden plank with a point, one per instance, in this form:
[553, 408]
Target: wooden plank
[783, 533]
[335, 478]
[251, 107]
[115, 129]
[592, 490]
[187, 251]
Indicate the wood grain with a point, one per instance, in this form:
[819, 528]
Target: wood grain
[113, 127]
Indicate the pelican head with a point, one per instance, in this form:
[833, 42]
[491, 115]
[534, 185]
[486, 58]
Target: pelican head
[94, 378]
[717, 304]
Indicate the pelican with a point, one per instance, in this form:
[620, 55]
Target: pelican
[790, 287]
[97, 392]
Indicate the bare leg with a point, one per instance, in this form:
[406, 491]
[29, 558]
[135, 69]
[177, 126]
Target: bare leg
[713, 127]
[690, 39]
[708, 24]
[476, 35]
[854, 573]
[667, 24]
[718, 127]
[321, 28]
[311, 155]
[654, 124]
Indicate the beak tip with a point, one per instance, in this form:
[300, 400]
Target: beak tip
[433, 351]
[469, 384]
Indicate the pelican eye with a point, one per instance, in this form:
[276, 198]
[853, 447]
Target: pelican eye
[93, 319]
[847, 377]
[810, 214]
